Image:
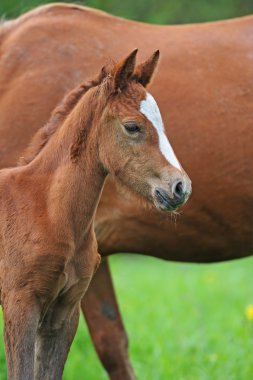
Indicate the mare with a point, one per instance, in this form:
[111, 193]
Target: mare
[47, 208]
[204, 88]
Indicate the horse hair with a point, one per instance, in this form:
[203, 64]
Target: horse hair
[59, 114]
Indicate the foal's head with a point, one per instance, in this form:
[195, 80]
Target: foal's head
[132, 143]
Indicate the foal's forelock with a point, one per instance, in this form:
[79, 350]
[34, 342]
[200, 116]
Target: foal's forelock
[149, 108]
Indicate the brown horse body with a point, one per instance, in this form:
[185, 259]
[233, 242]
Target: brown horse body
[48, 248]
[205, 92]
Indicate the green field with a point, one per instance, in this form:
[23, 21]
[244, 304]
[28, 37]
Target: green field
[185, 322]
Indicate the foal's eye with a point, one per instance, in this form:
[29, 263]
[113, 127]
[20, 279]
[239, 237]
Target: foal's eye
[131, 127]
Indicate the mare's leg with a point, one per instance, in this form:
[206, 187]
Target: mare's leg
[52, 346]
[105, 324]
[21, 317]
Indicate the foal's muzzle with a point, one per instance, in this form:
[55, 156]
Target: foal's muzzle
[176, 196]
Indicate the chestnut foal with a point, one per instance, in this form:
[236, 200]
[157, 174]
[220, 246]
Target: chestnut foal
[47, 241]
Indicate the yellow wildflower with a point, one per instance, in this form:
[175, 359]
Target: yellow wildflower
[249, 312]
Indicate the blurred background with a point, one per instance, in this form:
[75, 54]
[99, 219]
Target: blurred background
[159, 11]
[185, 321]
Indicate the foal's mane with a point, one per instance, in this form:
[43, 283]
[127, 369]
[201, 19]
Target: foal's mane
[59, 114]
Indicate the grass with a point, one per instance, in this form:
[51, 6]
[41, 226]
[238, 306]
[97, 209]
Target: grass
[185, 322]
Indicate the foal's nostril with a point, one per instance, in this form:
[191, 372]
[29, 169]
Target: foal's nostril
[178, 190]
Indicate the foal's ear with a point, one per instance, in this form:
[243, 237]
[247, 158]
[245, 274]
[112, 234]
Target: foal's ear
[124, 70]
[144, 72]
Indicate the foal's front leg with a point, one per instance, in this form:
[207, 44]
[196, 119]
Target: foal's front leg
[52, 346]
[21, 317]
[59, 325]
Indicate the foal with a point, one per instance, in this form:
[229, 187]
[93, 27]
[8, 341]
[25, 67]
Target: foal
[48, 250]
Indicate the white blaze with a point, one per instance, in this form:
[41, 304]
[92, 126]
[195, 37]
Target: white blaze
[150, 109]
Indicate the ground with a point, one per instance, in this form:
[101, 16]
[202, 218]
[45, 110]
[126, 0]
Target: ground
[185, 321]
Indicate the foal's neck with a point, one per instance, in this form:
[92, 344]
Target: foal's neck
[75, 177]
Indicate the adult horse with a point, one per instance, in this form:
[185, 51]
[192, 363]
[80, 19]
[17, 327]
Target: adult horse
[204, 88]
